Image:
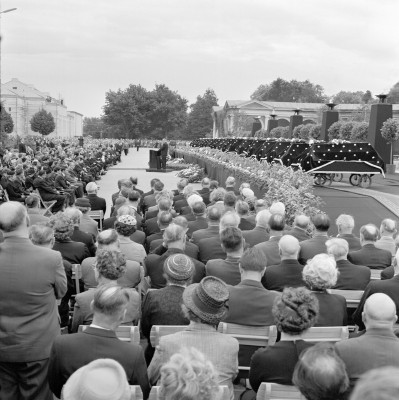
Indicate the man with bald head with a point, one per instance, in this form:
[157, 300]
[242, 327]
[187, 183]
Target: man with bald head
[300, 229]
[351, 276]
[378, 347]
[32, 278]
[390, 287]
[289, 272]
[213, 217]
[261, 231]
[369, 255]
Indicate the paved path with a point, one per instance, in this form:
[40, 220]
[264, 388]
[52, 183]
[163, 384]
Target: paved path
[134, 164]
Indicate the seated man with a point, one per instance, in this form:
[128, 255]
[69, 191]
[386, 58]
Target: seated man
[320, 373]
[369, 255]
[345, 225]
[213, 216]
[351, 276]
[110, 266]
[289, 272]
[390, 287]
[317, 244]
[205, 306]
[70, 352]
[242, 209]
[48, 192]
[260, 233]
[387, 231]
[200, 222]
[300, 228]
[378, 347]
[228, 269]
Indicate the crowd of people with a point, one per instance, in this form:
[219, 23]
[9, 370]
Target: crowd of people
[181, 256]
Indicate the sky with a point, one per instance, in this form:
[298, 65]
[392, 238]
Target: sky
[80, 49]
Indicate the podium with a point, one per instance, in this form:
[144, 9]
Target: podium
[154, 161]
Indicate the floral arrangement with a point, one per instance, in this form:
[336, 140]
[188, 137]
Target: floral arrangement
[277, 182]
[177, 164]
[193, 173]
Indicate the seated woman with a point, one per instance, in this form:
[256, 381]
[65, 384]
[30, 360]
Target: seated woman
[110, 265]
[294, 312]
[320, 273]
[189, 375]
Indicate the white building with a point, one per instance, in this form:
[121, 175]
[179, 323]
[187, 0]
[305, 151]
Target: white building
[22, 101]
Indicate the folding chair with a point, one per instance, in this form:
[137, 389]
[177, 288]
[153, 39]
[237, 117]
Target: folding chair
[97, 215]
[136, 392]
[320, 334]
[48, 205]
[130, 334]
[275, 391]
[76, 275]
[250, 338]
[157, 331]
[352, 296]
[375, 274]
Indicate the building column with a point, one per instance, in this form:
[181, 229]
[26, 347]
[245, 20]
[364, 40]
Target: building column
[329, 117]
[295, 120]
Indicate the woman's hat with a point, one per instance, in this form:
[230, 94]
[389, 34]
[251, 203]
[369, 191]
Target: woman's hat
[179, 267]
[102, 379]
[207, 299]
[127, 220]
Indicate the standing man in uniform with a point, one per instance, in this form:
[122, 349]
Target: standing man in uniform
[163, 153]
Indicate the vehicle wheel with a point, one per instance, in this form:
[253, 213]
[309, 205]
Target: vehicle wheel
[337, 177]
[319, 180]
[354, 179]
[365, 181]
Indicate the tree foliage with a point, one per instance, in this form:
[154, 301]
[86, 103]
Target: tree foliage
[95, 127]
[345, 97]
[137, 112]
[6, 122]
[360, 132]
[334, 130]
[390, 130]
[297, 91]
[42, 122]
[393, 95]
[280, 132]
[200, 122]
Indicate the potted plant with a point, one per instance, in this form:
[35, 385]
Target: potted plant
[390, 132]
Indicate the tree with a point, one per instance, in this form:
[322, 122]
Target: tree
[290, 91]
[393, 95]
[6, 122]
[334, 129]
[360, 132]
[128, 111]
[344, 97]
[94, 127]
[168, 111]
[367, 97]
[42, 122]
[199, 121]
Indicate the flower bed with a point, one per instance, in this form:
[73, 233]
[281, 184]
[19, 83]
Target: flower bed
[194, 173]
[272, 181]
[177, 164]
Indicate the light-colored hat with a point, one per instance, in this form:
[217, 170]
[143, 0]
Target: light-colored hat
[247, 192]
[179, 267]
[127, 220]
[207, 299]
[102, 379]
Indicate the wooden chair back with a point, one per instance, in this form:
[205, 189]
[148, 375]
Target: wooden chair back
[257, 336]
[136, 392]
[130, 334]
[155, 393]
[157, 331]
[320, 334]
[352, 296]
[97, 215]
[48, 205]
[275, 391]
[375, 274]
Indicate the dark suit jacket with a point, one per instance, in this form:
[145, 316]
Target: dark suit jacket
[155, 236]
[138, 237]
[180, 204]
[70, 352]
[190, 250]
[353, 241]
[109, 223]
[210, 249]
[378, 347]
[388, 273]
[199, 223]
[256, 236]
[151, 226]
[299, 233]
[351, 276]
[205, 193]
[250, 295]
[371, 257]
[227, 270]
[154, 268]
[332, 309]
[246, 225]
[286, 274]
[270, 250]
[86, 238]
[312, 247]
[148, 201]
[74, 252]
[389, 286]
[276, 363]
[211, 231]
[32, 277]
[97, 203]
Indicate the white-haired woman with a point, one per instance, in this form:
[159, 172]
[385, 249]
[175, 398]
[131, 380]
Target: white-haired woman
[320, 273]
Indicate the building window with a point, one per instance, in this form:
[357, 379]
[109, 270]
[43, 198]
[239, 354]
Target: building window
[14, 87]
[9, 108]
